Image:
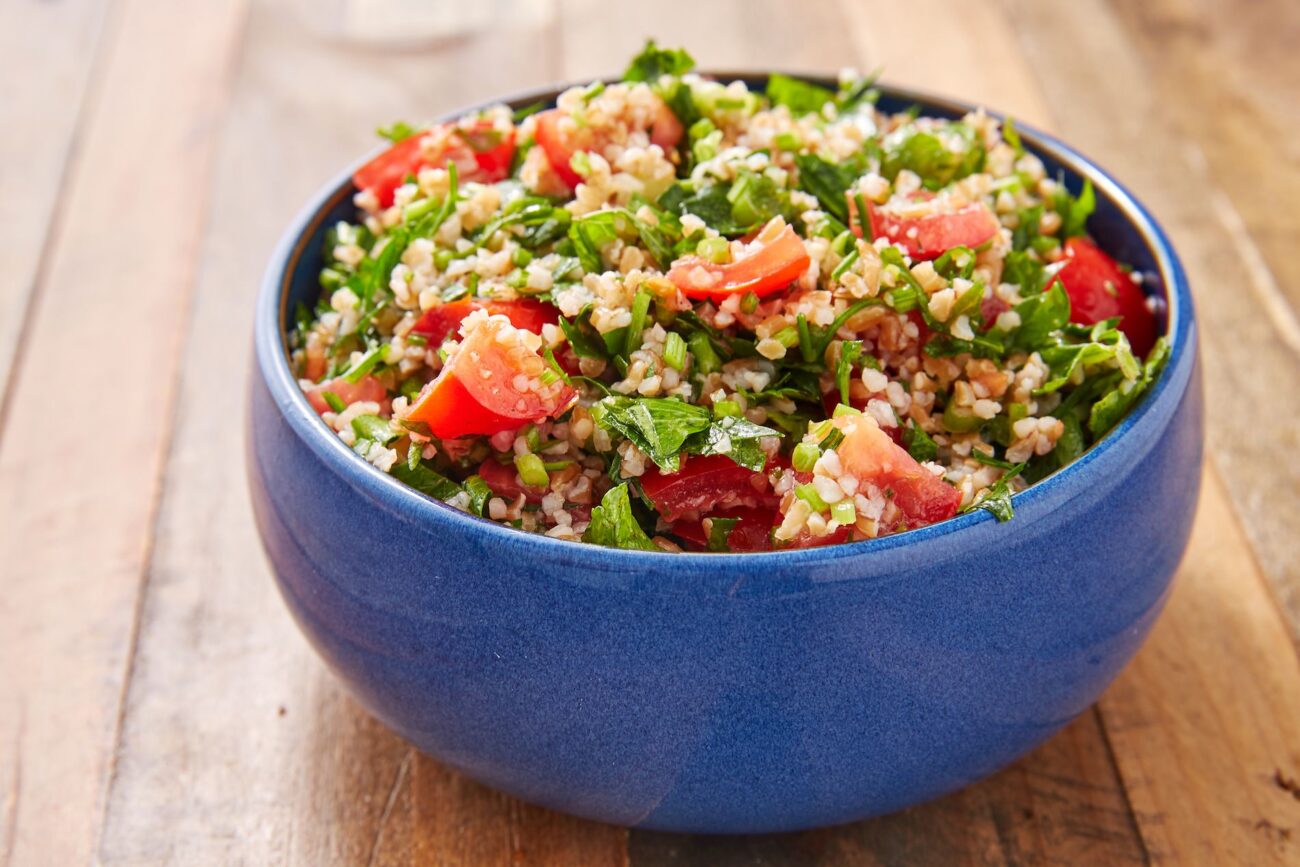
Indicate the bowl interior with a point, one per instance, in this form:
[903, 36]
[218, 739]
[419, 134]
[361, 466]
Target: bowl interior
[1120, 224]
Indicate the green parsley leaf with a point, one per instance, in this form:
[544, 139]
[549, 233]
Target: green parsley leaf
[734, 436]
[397, 131]
[1040, 316]
[614, 525]
[997, 498]
[720, 533]
[801, 97]
[827, 181]
[656, 425]
[654, 62]
[427, 480]
[1113, 405]
[931, 154]
[919, 443]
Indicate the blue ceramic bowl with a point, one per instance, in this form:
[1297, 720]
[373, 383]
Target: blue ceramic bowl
[730, 693]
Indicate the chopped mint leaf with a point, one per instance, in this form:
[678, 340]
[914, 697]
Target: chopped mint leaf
[734, 436]
[827, 181]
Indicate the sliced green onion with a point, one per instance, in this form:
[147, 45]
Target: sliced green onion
[553, 466]
[822, 429]
[725, 408]
[640, 307]
[517, 279]
[807, 348]
[841, 242]
[372, 427]
[864, 217]
[706, 360]
[809, 495]
[580, 163]
[787, 141]
[845, 264]
[532, 471]
[787, 337]
[716, 250]
[959, 420]
[1015, 412]
[533, 437]
[805, 457]
[521, 257]
[844, 512]
[749, 303]
[364, 365]
[832, 440]
[675, 351]
[335, 402]
[843, 409]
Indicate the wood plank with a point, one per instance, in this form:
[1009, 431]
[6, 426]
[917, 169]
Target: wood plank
[47, 51]
[1206, 721]
[78, 488]
[1085, 60]
[293, 772]
[1228, 56]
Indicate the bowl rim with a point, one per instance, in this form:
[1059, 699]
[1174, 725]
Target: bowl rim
[270, 339]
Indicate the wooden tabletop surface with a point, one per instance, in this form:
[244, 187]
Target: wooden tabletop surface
[157, 705]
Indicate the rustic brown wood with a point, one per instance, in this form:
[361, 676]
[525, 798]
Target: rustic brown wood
[1108, 106]
[77, 497]
[47, 52]
[237, 747]
[1231, 85]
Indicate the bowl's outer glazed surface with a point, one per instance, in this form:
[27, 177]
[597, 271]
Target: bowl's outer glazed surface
[719, 693]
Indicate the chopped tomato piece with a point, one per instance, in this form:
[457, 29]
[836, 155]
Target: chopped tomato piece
[560, 146]
[439, 323]
[1099, 289]
[493, 383]
[667, 130]
[705, 484]
[869, 454]
[505, 482]
[774, 260]
[366, 389]
[480, 151]
[929, 236]
[751, 532]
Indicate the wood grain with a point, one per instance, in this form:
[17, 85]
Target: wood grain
[77, 485]
[1087, 63]
[236, 747]
[205, 778]
[1246, 151]
[47, 52]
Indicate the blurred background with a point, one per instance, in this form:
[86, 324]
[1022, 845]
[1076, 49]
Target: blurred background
[156, 705]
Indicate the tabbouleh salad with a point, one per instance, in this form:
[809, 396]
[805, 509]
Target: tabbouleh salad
[673, 313]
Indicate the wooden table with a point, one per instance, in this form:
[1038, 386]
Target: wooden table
[157, 704]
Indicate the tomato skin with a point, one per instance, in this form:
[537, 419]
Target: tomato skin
[667, 130]
[450, 411]
[931, 235]
[439, 323]
[704, 484]
[476, 393]
[772, 268]
[385, 173]
[505, 482]
[1099, 289]
[475, 149]
[493, 159]
[367, 389]
[558, 148]
[872, 456]
[752, 531]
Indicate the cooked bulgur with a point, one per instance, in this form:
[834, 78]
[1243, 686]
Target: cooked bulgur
[674, 313]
